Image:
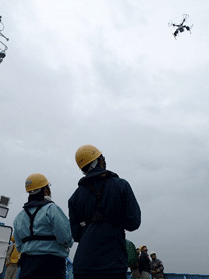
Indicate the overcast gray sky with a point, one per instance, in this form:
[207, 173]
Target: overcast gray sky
[110, 73]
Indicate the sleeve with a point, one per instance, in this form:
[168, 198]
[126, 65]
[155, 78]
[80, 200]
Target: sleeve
[18, 241]
[77, 229]
[160, 267]
[132, 209]
[61, 225]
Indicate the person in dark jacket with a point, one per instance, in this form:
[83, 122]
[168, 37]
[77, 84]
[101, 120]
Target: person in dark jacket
[144, 263]
[100, 210]
[156, 267]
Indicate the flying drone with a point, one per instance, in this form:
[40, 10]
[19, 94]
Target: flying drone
[3, 47]
[179, 28]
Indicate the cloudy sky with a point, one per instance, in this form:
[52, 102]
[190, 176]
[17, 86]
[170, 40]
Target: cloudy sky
[111, 74]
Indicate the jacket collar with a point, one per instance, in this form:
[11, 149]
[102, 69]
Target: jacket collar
[95, 175]
[36, 203]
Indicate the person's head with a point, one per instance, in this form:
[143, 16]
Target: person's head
[143, 249]
[88, 157]
[138, 251]
[153, 255]
[37, 185]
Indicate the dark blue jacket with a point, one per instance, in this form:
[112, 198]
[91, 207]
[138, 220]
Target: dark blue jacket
[144, 262]
[102, 246]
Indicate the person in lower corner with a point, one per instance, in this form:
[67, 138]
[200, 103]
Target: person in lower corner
[144, 263]
[156, 267]
[42, 233]
[12, 260]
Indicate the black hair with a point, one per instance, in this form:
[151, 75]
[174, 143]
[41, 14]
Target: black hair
[40, 195]
[101, 157]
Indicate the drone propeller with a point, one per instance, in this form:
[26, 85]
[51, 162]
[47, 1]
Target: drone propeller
[1, 29]
[4, 36]
[5, 47]
[2, 25]
[185, 16]
[170, 24]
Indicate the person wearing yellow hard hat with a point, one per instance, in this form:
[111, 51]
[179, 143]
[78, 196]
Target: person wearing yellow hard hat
[100, 210]
[42, 233]
[12, 260]
[87, 157]
[144, 263]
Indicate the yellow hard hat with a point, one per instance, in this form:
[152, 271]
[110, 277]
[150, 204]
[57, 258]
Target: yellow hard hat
[86, 154]
[142, 247]
[35, 181]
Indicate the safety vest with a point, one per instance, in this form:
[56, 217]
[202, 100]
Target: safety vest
[14, 257]
[32, 237]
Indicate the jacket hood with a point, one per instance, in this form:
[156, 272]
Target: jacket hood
[35, 203]
[95, 175]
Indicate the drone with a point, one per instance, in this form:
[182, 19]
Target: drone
[181, 27]
[3, 47]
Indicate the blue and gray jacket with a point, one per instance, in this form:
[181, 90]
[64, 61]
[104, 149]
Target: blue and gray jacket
[49, 233]
[101, 208]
